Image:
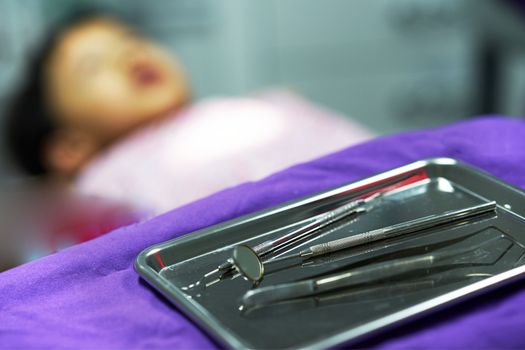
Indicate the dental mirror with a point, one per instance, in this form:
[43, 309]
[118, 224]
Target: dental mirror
[247, 263]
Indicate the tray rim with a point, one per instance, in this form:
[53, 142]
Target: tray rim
[214, 328]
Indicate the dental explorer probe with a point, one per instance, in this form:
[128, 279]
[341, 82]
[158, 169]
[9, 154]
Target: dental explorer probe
[397, 229]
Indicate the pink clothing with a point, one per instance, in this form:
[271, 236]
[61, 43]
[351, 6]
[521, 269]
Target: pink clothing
[214, 144]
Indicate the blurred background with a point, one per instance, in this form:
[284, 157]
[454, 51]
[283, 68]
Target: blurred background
[390, 64]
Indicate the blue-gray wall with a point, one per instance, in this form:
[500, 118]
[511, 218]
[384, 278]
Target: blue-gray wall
[391, 64]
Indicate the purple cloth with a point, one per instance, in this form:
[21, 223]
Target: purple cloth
[89, 296]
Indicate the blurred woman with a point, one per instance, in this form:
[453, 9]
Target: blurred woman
[94, 81]
[108, 111]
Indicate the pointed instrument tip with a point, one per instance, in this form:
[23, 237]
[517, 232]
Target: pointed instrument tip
[212, 272]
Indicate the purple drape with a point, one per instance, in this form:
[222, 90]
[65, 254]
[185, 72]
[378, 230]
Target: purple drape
[89, 296]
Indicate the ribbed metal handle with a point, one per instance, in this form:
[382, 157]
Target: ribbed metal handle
[263, 247]
[399, 229]
[321, 221]
[347, 242]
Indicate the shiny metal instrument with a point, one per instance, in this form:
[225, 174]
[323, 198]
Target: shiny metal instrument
[485, 253]
[252, 260]
[398, 229]
[318, 223]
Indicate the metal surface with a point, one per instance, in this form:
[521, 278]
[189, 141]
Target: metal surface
[485, 253]
[405, 280]
[251, 266]
[248, 263]
[262, 250]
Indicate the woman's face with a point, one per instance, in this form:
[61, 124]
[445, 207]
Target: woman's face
[105, 79]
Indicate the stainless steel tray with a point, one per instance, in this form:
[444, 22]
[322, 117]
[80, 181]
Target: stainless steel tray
[422, 188]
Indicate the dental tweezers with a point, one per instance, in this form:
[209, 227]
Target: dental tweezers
[291, 290]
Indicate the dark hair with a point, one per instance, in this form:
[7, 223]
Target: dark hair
[30, 123]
